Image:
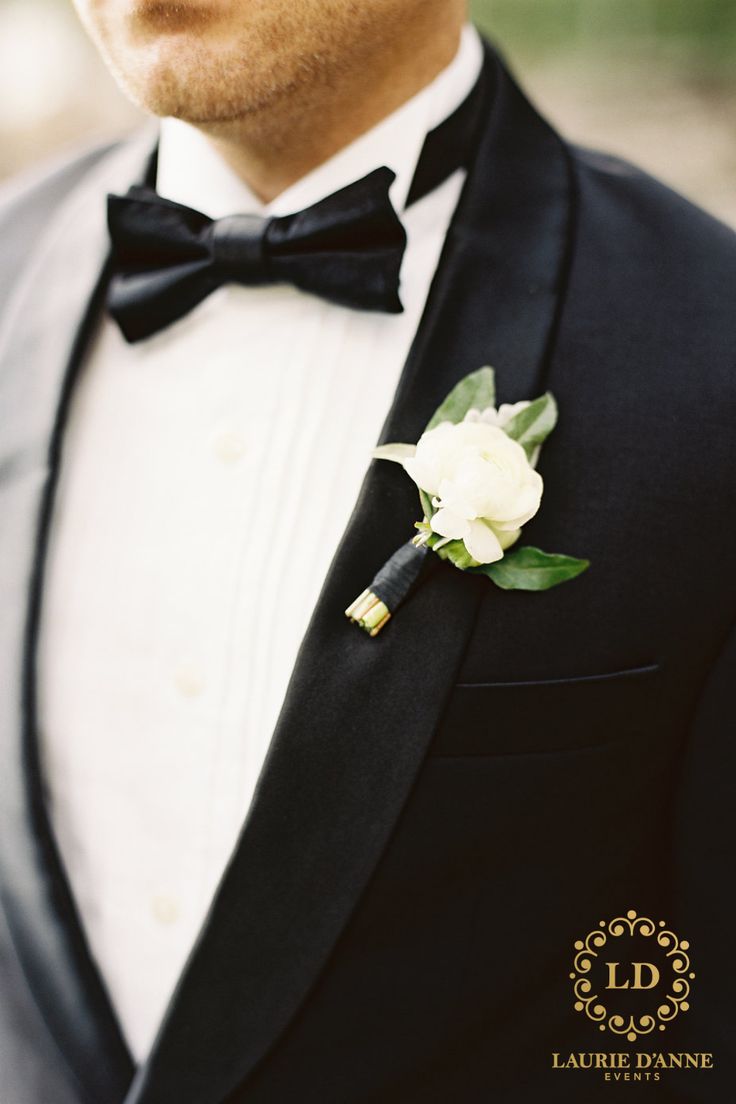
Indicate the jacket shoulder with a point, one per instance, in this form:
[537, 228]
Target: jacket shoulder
[659, 218]
[28, 201]
[664, 268]
[36, 191]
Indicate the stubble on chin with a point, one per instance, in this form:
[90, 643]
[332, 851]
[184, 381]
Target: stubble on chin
[204, 77]
[210, 62]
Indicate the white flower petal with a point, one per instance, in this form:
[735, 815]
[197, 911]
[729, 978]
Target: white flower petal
[449, 524]
[507, 411]
[527, 503]
[435, 456]
[418, 472]
[507, 539]
[460, 497]
[482, 543]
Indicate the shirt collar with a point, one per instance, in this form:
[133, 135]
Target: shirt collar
[190, 171]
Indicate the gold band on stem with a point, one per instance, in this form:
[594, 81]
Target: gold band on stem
[353, 607]
[368, 612]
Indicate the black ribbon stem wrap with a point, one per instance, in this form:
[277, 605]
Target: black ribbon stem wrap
[393, 584]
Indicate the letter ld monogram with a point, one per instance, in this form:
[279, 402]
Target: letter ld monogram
[631, 975]
[636, 981]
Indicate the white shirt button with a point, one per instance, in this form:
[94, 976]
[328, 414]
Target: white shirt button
[189, 680]
[229, 446]
[166, 910]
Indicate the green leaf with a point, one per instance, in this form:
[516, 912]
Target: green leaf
[478, 390]
[532, 425]
[397, 453]
[531, 569]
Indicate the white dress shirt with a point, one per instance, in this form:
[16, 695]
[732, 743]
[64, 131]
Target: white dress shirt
[207, 476]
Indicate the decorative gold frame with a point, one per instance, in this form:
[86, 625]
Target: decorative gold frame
[676, 999]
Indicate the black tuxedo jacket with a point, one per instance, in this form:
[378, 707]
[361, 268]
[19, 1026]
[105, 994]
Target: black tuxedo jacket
[446, 808]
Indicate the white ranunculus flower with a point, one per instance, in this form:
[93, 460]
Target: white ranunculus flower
[481, 482]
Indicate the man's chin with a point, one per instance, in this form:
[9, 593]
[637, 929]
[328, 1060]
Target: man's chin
[170, 79]
[199, 61]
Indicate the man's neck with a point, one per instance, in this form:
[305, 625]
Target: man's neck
[273, 148]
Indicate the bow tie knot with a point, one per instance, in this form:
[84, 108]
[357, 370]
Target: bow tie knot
[237, 244]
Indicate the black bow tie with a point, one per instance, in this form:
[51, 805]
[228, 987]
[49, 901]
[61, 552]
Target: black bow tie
[347, 248]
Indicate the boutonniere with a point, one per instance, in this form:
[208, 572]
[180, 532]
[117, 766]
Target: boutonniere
[475, 468]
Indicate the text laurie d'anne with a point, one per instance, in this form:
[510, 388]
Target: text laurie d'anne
[643, 1060]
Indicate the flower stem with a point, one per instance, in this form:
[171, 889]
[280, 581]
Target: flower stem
[392, 585]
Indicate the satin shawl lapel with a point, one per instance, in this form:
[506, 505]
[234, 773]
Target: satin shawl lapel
[359, 713]
[44, 330]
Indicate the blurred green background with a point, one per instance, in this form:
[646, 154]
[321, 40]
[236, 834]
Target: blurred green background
[697, 33]
[652, 80]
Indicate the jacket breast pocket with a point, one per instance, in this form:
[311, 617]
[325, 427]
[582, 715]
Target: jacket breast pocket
[555, 715]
